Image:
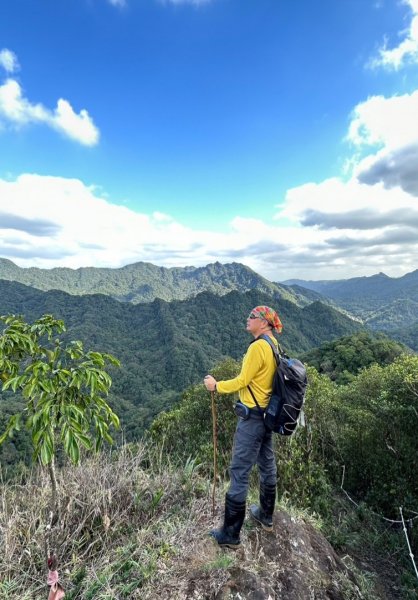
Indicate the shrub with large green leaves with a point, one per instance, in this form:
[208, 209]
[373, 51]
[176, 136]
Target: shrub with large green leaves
[378, 435]
[63, 387]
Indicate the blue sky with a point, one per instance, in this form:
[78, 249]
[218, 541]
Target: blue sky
[276, 133]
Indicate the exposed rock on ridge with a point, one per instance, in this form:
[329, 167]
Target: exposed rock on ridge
[294, 562]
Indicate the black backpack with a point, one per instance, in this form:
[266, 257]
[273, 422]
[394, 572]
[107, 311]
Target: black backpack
[288, 393]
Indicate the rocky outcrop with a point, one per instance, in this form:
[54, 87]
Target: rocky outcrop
[294, 562]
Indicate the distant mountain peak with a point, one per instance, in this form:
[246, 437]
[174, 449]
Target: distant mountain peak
[142, 282]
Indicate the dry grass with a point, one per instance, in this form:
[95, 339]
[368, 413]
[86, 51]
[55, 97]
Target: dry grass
[135, 527]
[128, 525]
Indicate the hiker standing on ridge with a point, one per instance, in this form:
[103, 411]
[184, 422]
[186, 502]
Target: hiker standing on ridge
[252, 442]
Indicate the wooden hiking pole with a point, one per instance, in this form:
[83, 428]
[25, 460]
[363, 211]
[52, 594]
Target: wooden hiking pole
[215, 450]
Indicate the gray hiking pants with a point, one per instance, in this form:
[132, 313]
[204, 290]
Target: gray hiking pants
[253, 444]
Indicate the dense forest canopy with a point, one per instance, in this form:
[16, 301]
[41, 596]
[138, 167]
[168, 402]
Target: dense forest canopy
[342, 359]
[166, 346]
[382, 303]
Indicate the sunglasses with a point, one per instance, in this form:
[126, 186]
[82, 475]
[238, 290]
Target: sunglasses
[252, 316]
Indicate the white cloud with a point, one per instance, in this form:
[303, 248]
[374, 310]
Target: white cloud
[407, 50]
[337, 205]
[38, 213]
[17, 110]
[369, 221]
[8, 60]
[52, 221]
[120, 3]
[389, 126]
[79, 127]
[389, 122]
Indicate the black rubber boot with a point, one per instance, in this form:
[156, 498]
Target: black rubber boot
[263, 514]
[228, 534]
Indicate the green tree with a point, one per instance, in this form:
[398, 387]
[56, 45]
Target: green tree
[63, 387]
[343, 359]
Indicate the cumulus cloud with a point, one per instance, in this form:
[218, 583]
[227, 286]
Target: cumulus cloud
[387, 129]
[8, 60]
[338, 204]
[36, 227]
[337, 228]
[38, 213]
[362, 218]
[368, 221]
[390, 122]
[18, 111]
[394, 169]
[353, 227]
[52, 221]
[327, 230]
[407, 49]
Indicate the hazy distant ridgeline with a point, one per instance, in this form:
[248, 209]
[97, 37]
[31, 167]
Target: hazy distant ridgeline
[143, 282]
[383, 302]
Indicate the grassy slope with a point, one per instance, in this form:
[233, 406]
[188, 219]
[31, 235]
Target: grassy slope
[135, 528]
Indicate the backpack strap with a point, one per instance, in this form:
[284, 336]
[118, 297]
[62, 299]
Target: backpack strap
[276, 354]
[276, 351]
[255, 400]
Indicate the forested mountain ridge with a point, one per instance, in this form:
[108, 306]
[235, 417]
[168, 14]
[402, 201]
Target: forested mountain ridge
[304, 296]
[384, 303]
[379, 288]
[143, 282]
[166, 346]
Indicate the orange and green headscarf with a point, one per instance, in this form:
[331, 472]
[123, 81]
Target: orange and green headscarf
[269, 315]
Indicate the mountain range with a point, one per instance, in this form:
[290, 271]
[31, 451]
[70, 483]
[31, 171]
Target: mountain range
[168, 343]
[143, 282]
[164, 346]
[382, 302]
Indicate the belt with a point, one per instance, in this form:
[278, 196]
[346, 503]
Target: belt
[255, 412]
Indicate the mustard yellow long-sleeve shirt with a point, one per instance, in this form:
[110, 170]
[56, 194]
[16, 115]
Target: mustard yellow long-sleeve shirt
[258, 367]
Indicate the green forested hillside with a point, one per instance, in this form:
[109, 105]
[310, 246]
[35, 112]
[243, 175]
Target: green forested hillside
[166, 346]
[342, 359]
[305, 296]
[390, 317]
[143, 282]
[407, 335]
[366, 428]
